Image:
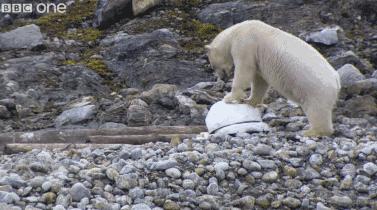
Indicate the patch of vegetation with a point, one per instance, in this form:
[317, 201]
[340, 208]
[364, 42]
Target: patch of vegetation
[17, 23]
[150, 25]
[205, 31]
[70, 62]
[99, 66]
[87, 35]
[56, 24]
[200, 33]
[187, 4]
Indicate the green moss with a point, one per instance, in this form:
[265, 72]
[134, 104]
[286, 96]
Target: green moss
[87, 35]
[205, 31]
[150, 25]
[99, 66]
[187, 3]
[56, 24]
[200, 33]
[17, 23]
[69, 62]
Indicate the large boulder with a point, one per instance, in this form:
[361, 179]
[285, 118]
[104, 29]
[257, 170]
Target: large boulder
[163, 94]
[138, 113]
[229, 13]
[76, 115]
[111, 11]
[143, 60]
[226, 118]
[26, 37]
[327, 36]
[349, 75]
[140, 6]
[188, 106]
[349, 57]
[361, 105]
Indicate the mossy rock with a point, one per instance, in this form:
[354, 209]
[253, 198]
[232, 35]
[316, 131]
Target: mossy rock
[99, 66]
[87, 35]
[70, 62]
[57, 24]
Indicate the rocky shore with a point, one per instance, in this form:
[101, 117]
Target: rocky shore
[150, 68]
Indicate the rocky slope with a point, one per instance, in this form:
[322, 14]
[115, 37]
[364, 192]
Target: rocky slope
[68, 61]
[152, 70]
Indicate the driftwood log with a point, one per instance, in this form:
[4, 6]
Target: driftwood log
[129, 135]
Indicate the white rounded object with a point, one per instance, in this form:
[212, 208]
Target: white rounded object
[222, 115]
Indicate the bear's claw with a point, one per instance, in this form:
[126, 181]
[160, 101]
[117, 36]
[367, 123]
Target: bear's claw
[231, 98]
[252, 102]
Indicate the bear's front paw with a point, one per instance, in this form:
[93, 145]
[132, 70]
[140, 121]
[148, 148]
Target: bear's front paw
[231, 98]
[252, 102]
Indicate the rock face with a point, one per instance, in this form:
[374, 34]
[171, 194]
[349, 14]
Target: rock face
[111, 11]
[233, 118]
[229, 13]
[26, 37]
[141, 61]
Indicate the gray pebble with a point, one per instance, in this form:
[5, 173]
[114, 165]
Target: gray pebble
[136, 153]
[136, 192]
[251, 165]
[271, 176]
[262, 149]
[213, 189]
[321, 206]
[79, 191]
[267, 164]
[58, 207]
[140, 206]
[348, 169]
[173, 173]
[341, 201]
[315, 160]
[370, 168]
[164, 164]
[127, 181]
[188, 184]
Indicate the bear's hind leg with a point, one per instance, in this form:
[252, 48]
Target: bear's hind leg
[320, 120]
[259, 89]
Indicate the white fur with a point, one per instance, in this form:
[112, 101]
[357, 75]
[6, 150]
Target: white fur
[265, 56]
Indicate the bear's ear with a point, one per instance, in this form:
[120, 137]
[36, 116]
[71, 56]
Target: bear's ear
[208, 47]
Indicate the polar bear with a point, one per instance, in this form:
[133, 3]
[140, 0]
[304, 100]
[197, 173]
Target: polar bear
[265, 56]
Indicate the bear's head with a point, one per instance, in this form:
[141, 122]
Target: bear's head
[220, 63]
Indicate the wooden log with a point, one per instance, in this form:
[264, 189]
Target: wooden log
[81, 136]
[97, 142]
[17, 148]
[137, 139]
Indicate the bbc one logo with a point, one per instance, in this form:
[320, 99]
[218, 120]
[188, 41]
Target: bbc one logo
[30, 8]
